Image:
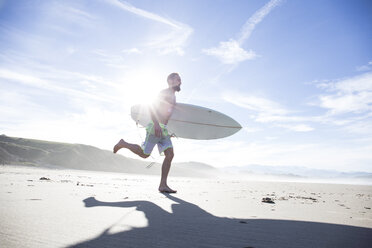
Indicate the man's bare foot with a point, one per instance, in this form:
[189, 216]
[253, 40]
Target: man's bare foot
[166, 189]
[119, 145]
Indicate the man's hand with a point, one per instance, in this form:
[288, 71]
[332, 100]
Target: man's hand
[158, 131]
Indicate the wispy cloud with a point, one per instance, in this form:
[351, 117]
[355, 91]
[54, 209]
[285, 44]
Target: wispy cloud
[255, 19]
[146, 14]
[254, 103]
[54, 83]
[231, 52]
[366, 67]
[351, 95]
[348, 103]
[12, 101]
[264, 110]
[112, 60]
[133, 50]
[173, 41]
[71, 14]
[297, 127]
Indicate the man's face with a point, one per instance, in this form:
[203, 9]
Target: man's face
[176, 83]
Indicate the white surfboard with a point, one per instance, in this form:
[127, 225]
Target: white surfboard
[191, 122]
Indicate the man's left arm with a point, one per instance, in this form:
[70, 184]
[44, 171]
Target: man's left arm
[153, 112]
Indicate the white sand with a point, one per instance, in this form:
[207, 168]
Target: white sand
[95, 209]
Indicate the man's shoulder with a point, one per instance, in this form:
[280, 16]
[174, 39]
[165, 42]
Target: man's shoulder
[165, 91]
[167, 95]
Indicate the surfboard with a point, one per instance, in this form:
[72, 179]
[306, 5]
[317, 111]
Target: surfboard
[191, 121]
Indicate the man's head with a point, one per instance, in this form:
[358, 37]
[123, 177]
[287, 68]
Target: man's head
[174, 81]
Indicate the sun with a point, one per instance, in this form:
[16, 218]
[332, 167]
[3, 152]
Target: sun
[141, 86]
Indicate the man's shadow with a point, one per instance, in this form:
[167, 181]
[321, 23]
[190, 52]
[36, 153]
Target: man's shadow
[190, 226]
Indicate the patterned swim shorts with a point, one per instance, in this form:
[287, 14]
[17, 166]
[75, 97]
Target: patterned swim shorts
[164, 142]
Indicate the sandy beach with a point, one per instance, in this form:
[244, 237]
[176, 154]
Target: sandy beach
[71, 208]
[257, 112]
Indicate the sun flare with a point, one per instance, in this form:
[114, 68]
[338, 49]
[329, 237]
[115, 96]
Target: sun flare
[143, 85]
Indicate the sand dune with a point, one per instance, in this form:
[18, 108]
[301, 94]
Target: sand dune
[47, 154]
[69, 208]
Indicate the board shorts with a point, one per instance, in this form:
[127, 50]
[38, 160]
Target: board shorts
[164, 142]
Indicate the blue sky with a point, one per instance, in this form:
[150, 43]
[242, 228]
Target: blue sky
[296, 74]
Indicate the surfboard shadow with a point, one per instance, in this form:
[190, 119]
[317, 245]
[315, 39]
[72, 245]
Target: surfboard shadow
[190, 226]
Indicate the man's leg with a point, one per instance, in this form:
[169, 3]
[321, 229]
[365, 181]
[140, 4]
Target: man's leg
[133, 147]
[164, 188]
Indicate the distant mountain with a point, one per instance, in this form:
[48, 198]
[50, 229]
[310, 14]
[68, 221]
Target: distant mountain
[202, 169]
[295, 172]
[39, 153]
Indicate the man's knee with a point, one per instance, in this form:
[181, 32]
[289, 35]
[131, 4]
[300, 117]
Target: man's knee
[169, 153]
[145, 155]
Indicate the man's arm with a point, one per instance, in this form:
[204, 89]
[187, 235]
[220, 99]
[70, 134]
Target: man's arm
[153, 112]
[157, 128]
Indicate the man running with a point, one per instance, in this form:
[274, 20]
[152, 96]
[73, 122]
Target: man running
[156, 131]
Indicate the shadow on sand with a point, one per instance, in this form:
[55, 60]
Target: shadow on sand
[190, 226]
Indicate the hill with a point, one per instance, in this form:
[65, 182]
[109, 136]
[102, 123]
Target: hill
[39, 153]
